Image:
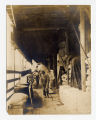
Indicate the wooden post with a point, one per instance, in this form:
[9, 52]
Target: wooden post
[67, 53]
[58, 68]
[14, 66]
[55, 68]
[82, 40]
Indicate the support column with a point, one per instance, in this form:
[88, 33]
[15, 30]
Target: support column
[14, 66]
[58, 68]
[55, 68]
[82, 49]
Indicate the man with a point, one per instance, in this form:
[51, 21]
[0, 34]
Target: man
[30, 81]
[52, 78]
[45, 83]
[36, 75]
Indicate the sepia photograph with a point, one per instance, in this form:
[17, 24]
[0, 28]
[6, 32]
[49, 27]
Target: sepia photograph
[48, 59]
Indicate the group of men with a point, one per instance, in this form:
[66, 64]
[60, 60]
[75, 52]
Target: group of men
[44, 77]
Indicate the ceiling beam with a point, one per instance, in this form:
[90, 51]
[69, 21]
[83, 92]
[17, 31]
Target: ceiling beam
[44, 29]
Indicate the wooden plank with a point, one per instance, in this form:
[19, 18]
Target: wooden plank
[82, 39]
[43, 29]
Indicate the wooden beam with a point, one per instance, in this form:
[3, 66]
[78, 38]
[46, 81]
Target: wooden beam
[13, 16]
[88, 12]
[82, 54]
[44, 29]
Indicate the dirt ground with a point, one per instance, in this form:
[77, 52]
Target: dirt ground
[51, 105]
[65, 100]
[70, 101]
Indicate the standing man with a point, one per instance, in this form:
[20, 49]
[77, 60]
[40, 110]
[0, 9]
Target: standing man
[45, 83]
[30, 81]
[52, 78]
[37, 76]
